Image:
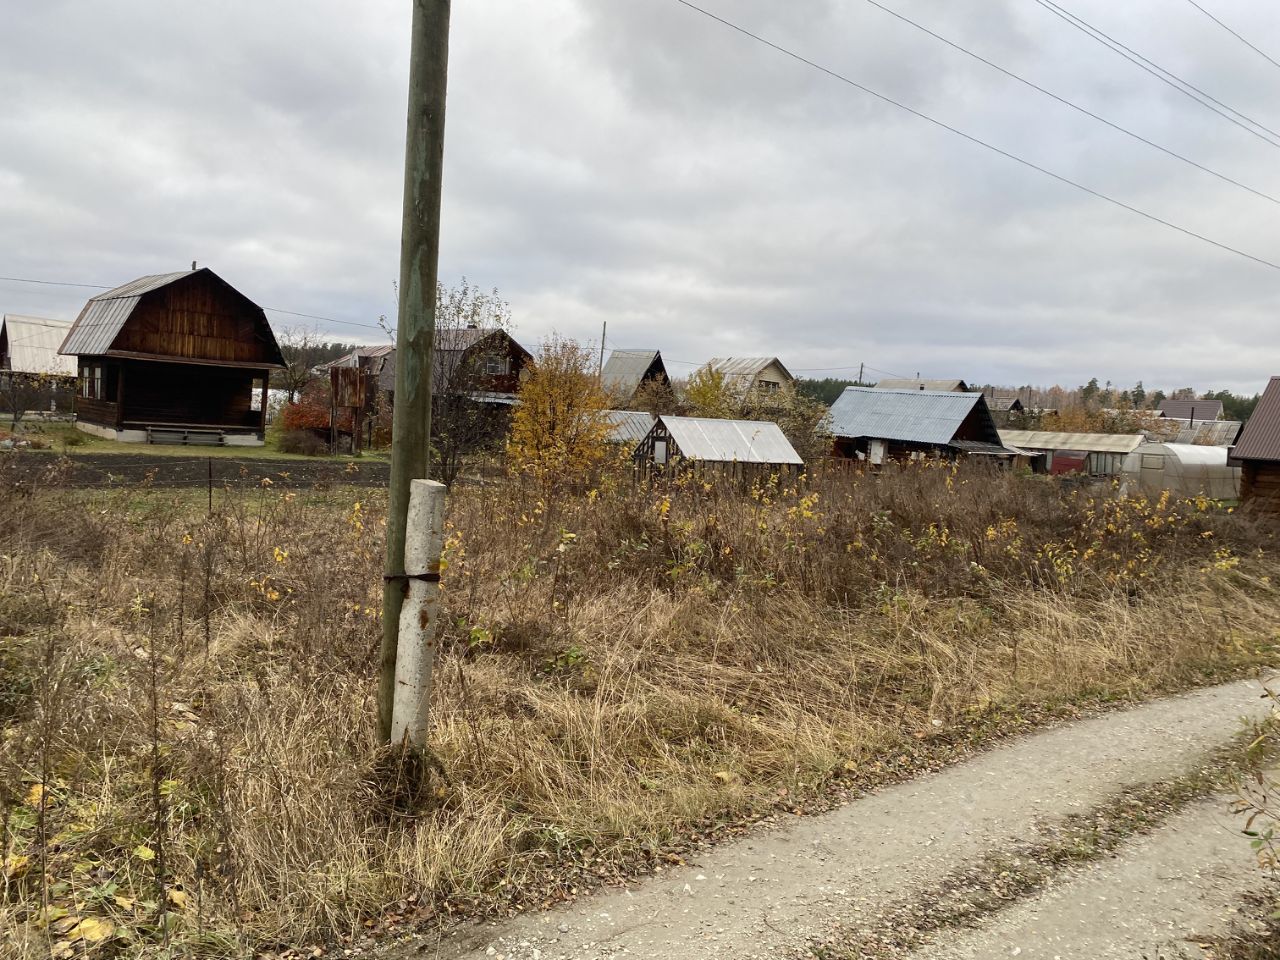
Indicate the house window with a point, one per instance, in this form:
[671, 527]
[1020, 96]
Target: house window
[660, 451]
[768, 386]
[91, 382]
[495, 366]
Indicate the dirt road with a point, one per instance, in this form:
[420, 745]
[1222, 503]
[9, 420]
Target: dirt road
[771, 895]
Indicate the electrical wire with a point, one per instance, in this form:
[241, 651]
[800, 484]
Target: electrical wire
[976, 140]
[291, 313]
[1074, 106]
[1184, 87]
[1238, 36]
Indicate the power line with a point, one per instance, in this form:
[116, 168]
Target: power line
[982, 143]
[99, 286]
[1184, 87]
[1260, 53]
[1073, 106]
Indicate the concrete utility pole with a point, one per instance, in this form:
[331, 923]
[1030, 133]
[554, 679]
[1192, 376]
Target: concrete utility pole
[415, 331]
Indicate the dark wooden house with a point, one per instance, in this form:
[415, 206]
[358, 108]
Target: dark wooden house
[1257, 453]
[175, 358]
[484, 364]
[626, 371]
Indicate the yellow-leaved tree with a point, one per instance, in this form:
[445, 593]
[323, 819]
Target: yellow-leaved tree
[707, 394]
[559, 431]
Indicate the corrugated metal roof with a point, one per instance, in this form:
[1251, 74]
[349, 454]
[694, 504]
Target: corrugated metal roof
[1261, 437]
[908, 416]
[624, 370]
[32, 344]
[1191, 409]
[628, 426]
[941, 386]
[104, 316]
[745, 368]
[731, 441]
[1216, 433]
[1003, 403]
[1083, 442]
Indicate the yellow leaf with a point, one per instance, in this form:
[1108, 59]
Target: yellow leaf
[125, 903]
[91, 930]
[178, 898]
[143, 852]
[51, 914]
[62, 950]
[16, 866]
[35, 794]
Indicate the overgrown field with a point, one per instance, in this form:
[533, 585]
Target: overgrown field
[187, 748]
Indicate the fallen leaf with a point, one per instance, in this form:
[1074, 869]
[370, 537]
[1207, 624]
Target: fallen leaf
[125, 903]
[16, 866]
[143, 852]
[35, 794]
[91, 930]
[178, 898]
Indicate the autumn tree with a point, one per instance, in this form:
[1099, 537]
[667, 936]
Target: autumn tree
[559, 431]
[20, 392]
[707, 394]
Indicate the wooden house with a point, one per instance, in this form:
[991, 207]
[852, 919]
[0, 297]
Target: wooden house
[877, 424]
[732, 447]
[742, 375]
[1257, 453]
[627, 371]
[484, 364]
[174, 358]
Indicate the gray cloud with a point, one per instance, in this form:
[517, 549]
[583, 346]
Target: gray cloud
[631, 161]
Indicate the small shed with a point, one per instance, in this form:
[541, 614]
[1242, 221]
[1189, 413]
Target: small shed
[1185, 470]
[29, 345]
[1257, 452]
[628, 427]
[732, 446]
[173, 358]
[877, 424]
[1094, 454]
[626, 371]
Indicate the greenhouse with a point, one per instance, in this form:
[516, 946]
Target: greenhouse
[1184, 469]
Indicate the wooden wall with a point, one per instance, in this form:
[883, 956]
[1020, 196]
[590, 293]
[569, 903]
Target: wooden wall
[202, 318]
[1260, 486]
[192, 395]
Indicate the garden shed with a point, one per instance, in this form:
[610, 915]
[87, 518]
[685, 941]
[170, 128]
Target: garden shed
[1183, 469]
[727, 445]
[877, 424]
[1094, 454]
[628, 427]
[626, 371]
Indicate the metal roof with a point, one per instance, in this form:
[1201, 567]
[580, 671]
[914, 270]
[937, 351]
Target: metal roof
[1191, 409]
[745, 368]
[731, 441]
[625, 369]
[32, 345]
[1003, 403]
[628, 426]
[909, 383]
[1261, 437]
[908, 416]
[1082, 442]
[104, 316]
[1216, 433]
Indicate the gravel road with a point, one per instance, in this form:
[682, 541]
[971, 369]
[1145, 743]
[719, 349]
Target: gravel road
[775, 891]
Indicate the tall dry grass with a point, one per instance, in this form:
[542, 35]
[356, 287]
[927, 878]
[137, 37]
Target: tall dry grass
[623, 667]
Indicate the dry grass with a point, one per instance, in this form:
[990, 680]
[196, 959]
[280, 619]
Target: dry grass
[623, 667]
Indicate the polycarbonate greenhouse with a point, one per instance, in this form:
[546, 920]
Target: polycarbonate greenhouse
[1184, 469]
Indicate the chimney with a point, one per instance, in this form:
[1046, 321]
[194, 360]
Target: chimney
[193, 266]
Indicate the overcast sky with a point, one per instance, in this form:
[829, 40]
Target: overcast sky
[631, 161]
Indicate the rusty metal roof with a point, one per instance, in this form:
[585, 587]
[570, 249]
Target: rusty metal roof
[1261, 437]
[731, 441]
[32, 345]
[1191, 409]
[104, 316]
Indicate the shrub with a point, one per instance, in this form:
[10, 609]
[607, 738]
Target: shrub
[303, 441]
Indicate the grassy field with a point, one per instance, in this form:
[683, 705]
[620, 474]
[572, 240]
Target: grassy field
[187, 749]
